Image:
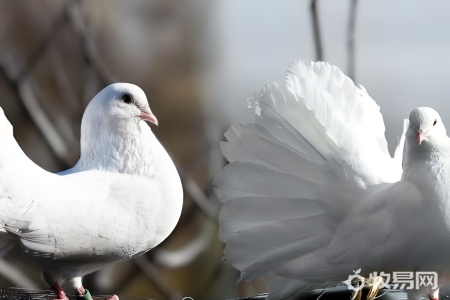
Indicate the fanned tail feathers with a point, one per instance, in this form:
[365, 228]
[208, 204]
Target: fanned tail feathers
[315, 132]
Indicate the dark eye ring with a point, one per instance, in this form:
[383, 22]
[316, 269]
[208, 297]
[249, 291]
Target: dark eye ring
[435, 121]
[127, 98]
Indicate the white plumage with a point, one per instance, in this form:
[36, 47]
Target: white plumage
[122, 198]
[311, 192]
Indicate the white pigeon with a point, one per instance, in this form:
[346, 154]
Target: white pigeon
[311, 193]
[121, 199]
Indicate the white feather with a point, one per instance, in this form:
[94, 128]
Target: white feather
[311, 191]
[122, 198]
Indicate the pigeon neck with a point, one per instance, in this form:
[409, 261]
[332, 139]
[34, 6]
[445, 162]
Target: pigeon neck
[413, 153]
[130, 150]
[426, 159]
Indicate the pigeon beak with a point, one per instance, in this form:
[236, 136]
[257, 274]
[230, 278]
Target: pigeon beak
[420, 138]
[147, 115]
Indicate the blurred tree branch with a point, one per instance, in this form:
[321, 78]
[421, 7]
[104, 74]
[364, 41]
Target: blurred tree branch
[351, 40]
[316, 30]
[46, 81]
[24, 87]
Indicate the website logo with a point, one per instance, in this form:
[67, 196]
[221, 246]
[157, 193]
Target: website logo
[400, 280]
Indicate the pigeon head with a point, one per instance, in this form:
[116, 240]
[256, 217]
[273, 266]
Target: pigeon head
[114, 134]
[122, 102]
[425, 126]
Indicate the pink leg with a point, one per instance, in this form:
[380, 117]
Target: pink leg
[60, 295]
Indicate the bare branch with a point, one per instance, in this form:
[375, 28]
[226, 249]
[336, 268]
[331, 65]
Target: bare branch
[90, 51]
[25, 88]
[192, 189]
[351, 40]
[154, 276]
[316, 30]
[15, 276]
[59, 75]
[187, 254]
[42, 47]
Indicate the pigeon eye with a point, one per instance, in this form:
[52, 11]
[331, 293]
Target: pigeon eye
[127, 98]
[435, 121]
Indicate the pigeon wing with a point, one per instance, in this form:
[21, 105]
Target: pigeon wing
[316, 145]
